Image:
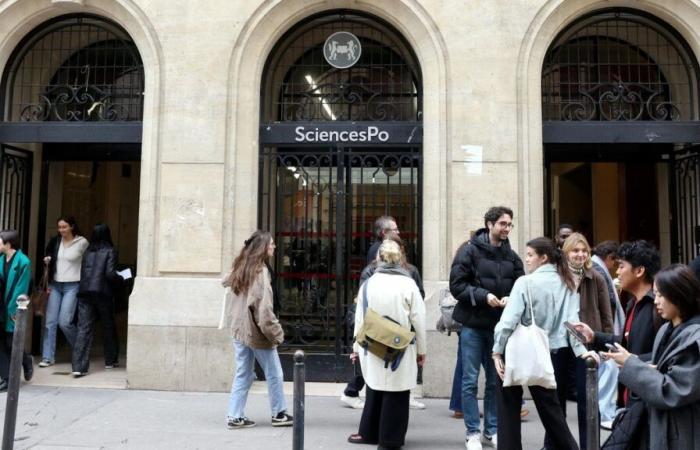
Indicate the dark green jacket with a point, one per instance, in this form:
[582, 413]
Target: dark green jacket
[15, 283]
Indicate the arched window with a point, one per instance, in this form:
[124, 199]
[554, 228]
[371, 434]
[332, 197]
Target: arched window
[77, 68]
[619, 65]
[383, 85]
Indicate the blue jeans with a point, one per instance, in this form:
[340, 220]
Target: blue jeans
[456, 395]
[269, 360]
[607, 390]
[476, 345]
[60, 311]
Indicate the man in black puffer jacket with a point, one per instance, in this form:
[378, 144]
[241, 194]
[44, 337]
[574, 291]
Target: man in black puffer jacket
[482, 275]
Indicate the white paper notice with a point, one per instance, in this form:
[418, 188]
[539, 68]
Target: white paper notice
[473, 158]
[125, 274]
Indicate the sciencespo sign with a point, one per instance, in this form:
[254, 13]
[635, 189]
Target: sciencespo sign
[370, 134]
[354, 133]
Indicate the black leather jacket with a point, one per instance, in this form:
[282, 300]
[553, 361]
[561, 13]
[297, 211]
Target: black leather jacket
[98, 275]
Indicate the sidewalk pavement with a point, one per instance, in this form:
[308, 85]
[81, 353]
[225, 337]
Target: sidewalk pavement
[62, 418]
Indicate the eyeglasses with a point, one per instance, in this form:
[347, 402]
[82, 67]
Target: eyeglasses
[504, 224]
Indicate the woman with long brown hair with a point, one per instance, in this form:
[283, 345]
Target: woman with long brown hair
[248, 315]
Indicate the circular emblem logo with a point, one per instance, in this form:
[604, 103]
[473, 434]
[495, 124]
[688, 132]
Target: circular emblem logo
[342, 50]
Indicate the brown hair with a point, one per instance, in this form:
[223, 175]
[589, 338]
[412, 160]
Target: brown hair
[545, 246]
[572, 241]
[249, 262]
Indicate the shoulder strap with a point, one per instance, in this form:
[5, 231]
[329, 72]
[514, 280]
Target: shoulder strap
[364, 297]
[528, 296]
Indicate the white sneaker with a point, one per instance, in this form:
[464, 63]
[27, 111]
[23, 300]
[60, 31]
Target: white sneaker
[473, 442]
[352, 402]
[415, 404]
[491, 441]
[606, 425]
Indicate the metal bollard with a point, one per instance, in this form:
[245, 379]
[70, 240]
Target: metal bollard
[8, 434]
[299, 380]
[592, 425]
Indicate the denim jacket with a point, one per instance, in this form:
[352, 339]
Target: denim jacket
[553, 303]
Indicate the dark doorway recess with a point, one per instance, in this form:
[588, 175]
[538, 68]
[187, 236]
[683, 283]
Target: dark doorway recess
[338, 148]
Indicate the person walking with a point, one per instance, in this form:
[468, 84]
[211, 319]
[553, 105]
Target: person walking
[550, 292]
[249, 316]
[15, 275]
[605, 263]
[594, 310]
[98, 278]
[64, 254]
[482, 275]
[669, 385]
[391, 292]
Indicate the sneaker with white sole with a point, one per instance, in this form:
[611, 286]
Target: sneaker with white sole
[415, 404]
[491, 441]
[240, 422]
[473, 442]
[45, 363]
[282, 419]
[352, 402]
[606, 424]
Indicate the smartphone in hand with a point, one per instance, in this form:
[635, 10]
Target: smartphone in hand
[575, 333]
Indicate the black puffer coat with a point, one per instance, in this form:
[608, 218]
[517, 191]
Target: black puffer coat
[98, 274]
[478, 269]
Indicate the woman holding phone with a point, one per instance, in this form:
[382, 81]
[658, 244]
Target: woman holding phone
[669, 384]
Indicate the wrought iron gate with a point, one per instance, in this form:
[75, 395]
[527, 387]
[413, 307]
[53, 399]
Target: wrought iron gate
[685, 201]
[320, 204]
[15, 190]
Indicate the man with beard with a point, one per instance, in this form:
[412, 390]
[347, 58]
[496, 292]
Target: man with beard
[482, 275]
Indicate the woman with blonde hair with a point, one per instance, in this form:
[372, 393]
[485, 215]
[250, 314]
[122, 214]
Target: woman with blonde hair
[391, 293]
[248, 315]
[594, 310]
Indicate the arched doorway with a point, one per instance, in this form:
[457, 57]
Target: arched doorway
[72, 98]
[339, 146]
[620, 112]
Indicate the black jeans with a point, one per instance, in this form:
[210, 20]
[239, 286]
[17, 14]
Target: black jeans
[562, 360]
[89, 309]
[6, 354]
[509, 403]
[385, 417]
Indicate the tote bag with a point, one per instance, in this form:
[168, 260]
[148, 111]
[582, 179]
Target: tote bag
[528, 362]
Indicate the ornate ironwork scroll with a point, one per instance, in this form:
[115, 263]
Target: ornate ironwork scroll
[343, 101]
[620, 101]
[75, 103]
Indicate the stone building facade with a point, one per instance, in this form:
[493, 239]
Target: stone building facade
[537, 104]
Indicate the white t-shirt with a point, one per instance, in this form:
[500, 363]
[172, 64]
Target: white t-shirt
[70, 257]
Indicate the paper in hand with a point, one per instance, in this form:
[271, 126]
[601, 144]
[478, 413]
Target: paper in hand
[125, 274]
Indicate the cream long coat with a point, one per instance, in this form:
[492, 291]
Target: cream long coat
[395, 296]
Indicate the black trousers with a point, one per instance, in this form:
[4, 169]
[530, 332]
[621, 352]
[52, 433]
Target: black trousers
[385, 417]
[509, 403]
[563, 360]
[6, 354]
[89, 309]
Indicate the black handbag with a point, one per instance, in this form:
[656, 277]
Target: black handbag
[629, 428]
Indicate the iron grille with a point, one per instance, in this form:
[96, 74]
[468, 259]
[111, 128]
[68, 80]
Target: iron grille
[15, 190]
[383, 85]
[76, 68]
[686, 186]
[619, 66]
[320, 205]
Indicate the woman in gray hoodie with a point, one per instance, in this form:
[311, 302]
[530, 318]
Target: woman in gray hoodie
[670, 385]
